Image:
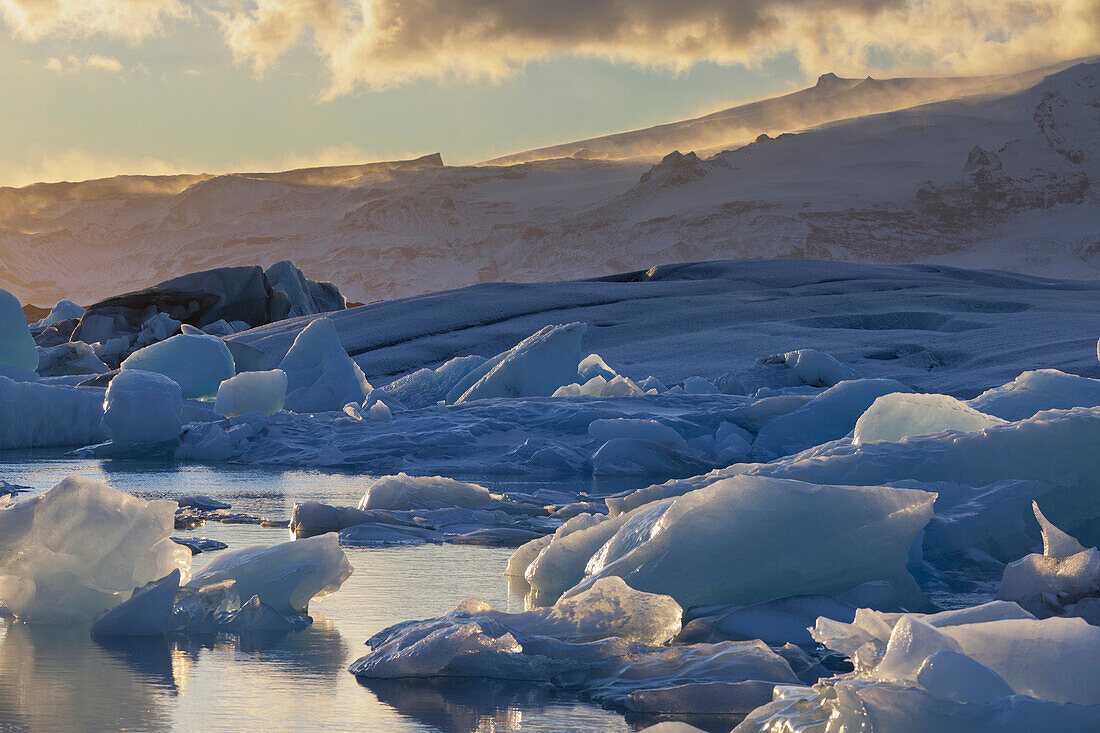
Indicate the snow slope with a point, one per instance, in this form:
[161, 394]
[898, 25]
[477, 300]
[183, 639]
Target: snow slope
[1002, 179]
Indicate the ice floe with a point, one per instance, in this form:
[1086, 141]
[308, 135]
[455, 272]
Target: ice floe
[81, 548]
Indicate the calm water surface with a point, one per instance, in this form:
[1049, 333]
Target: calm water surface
[59, 680]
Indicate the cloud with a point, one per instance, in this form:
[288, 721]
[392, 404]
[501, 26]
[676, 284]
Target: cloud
[33, 20]
[95, 62]
[377, 44]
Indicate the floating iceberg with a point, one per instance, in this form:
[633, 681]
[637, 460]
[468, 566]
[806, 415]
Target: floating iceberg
[422, 492]
[262, 392]
[731, 542]
[198, 364]
[82, 548]
[321, 377]
[142, 408]
[583, 645]
[34, 415]
[535, 367]
[829, 416]
[17, 348]
[899, 415]
[285, 577]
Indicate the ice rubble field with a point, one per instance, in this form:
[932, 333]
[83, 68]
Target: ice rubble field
[882, 515]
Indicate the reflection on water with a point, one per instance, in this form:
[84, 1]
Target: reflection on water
[58, 680]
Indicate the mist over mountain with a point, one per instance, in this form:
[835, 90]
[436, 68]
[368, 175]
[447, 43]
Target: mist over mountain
[988, 172]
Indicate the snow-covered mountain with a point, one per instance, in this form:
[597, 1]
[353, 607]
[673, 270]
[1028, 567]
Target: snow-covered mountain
[1000, 176]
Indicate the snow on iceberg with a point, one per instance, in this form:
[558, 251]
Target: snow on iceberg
[732, 541]
[17, 347]
[893, 417]
[285, 577]
[422, 492]
[142, 408]
[1035, 391]
[34, 415]
[82, 548]
[198, 364]
[829, 416]
[535, 367]
[321, 377]
[262, 392]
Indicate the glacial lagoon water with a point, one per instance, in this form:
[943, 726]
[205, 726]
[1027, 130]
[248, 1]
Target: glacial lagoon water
[58, 680]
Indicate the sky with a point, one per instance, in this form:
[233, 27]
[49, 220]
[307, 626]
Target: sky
[102, 87]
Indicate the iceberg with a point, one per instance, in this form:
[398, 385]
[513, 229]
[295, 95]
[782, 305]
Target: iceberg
[148, 612]
[428, 386]
[804, 367]
[899, 415]
[17, 348]
[730, 542]
[1064, 573]
[422, 492]
[262, 392]
[35, 415]
[1018, 450]
[321, 377]
[198, 364]
[650, 430]
[598, 644]
[560, 564]
[142, 408]
[535, 367]
[285, 577]
[829, 416]
[64, 310]
[1036, 391]
[82, 548]
[73, 357]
